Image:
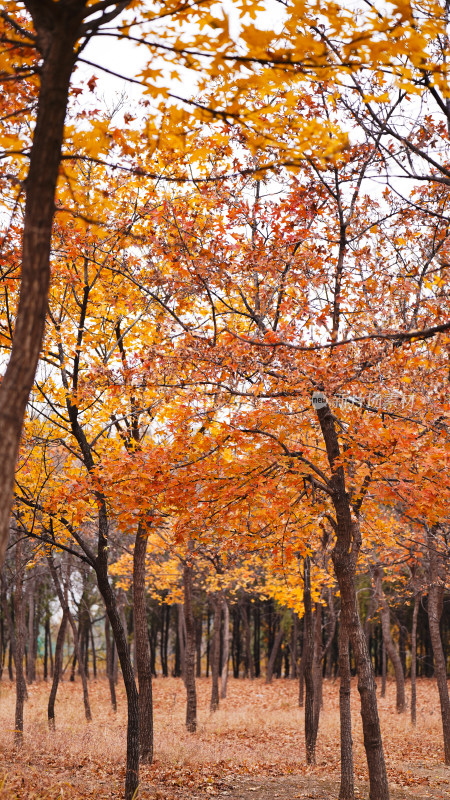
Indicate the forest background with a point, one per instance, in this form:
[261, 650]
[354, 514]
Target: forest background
[225, 343]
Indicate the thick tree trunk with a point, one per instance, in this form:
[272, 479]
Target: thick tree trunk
[345, 557]
[414, 660]
[215, 654]
[143, 654]
[387, 639]
[57, 33]
[190, 652]
[347, 789]
[57, 672]
[436, 588]
[19, 618]
[225, 650]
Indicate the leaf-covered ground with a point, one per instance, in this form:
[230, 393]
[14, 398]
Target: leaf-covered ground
[252, 748]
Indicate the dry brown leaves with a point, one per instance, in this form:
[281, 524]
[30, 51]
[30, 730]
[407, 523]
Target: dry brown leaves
[252, 748]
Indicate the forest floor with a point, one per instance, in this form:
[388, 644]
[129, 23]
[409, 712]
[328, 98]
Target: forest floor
[252, 748]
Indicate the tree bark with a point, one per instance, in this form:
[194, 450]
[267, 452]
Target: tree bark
[347, 788]
[308, 648]
[62, 597]
[247, 640]
[110, 664]
[143, 653]
[436, 589]
[190, 651]
[19, 617]
[225, 650]
[57, 672]
[215, 654]
[57, 32]
[387, 639]
[293, 645]
[123, 651]
[345, 557]
[414, 660]
[274, 651]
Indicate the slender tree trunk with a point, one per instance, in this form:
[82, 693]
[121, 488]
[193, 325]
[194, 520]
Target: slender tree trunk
[435, 600]
[293, 645]
[123, 651]
[247, 639]
[181, 622]
[274, 652]
[31, 663]
[414, 659]
[143, 653]
[388, 642]
[345, 557]
[215, 655]
[57, 672]
[198, 642]
[347, 789]
[383, 667]
[62, 597]
[9, 621]
[225, 649]
[19, 617]
[301, 676]
[317, 667]
[190, 651]
[110, 664]
[308, 646]
[94, 654]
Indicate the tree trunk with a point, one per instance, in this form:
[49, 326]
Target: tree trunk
[198, 642]
[435, 599]
[345, 557]
[414, 660]
[143, 654]
[31, 663]
[62, 597]
[190, 651]
[308, 648]
[181, 623]
[57, 672]
[110, 665]
[123, 651]
[9, 621]
[19, 617]
[347, 789]
[225, 649]
[317, 666]
[215, 654]
[58, 32]
[387, 639]
[274, 652]
[293, 645]
[247, 639]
